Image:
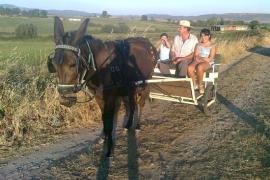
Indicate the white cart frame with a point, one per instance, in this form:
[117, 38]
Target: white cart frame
[159, 85]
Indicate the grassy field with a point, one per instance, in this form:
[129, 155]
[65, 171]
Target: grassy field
[29, 106]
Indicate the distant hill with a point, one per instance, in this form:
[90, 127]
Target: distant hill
[54, 12]
[13, 6]
[8, 6]
[263, 18]
[69, 13]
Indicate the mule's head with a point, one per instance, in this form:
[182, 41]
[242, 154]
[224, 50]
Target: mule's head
[66, 61]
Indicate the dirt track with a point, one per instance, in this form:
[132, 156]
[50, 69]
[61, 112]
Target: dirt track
[177, 141]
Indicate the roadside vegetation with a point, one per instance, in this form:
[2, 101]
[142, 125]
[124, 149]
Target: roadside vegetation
[29, 107]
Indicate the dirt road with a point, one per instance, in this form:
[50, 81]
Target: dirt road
[177, 141]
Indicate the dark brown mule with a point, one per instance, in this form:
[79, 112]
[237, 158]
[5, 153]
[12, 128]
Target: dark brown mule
[109, 69]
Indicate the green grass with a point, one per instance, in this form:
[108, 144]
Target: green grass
[35, 51]
[149, 29]
[9, 24]
[31, 52]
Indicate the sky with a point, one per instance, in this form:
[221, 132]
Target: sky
[140, 7]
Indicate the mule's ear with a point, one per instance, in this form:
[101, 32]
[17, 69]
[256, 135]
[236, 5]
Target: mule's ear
[81, 32]
[58, 30]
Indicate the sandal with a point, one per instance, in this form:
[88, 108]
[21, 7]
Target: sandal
[201, 89]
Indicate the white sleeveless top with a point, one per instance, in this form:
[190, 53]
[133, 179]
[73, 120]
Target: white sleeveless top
[164, 53]
[205, 52]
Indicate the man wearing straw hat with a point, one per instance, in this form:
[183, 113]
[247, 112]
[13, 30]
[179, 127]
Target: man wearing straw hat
[183, 48]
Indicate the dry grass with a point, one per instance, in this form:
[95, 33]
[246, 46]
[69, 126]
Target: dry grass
[266, 39]
[232, 49]
[29, 106]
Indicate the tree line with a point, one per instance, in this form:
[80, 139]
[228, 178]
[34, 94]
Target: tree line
[19, 12]
[213, 21]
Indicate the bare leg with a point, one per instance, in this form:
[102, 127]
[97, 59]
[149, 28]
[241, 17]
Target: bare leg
[191, 72]
[202, 67]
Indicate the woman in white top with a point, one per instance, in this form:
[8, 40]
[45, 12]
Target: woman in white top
[164, 48]
[204, 55]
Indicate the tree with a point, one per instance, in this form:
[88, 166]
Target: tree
[16, 11]
[144, 18]
[221, 21]
[212, 21]
[26, 31]
[104, 14]
[123, 28]
[34, 12]
[43, 13]
[200, 23]
[254, 24]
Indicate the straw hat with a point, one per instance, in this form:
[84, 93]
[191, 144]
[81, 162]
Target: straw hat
[184, 23]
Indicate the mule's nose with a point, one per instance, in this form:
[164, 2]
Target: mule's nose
[68, 100]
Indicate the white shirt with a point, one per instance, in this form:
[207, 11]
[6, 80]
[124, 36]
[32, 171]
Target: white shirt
[182, 49]
[164, 53]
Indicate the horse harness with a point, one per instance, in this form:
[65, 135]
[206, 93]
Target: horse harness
[117, 67]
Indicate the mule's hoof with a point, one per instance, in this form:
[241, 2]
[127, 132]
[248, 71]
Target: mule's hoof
[125, 130]
[127, 127]
[101, 140]
[137, 132]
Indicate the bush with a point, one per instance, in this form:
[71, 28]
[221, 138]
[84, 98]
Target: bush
[121, 28]
[107, 29]
[26, 31]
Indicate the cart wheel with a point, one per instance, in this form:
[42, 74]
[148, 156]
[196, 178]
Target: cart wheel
[209, 94]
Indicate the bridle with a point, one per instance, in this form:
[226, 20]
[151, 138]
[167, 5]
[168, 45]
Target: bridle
[88, 64]
[80, 60]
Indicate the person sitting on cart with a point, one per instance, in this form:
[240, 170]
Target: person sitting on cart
[204, 56]
[183, 48]
[164, 48]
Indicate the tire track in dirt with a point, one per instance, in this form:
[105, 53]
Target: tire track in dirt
[25, 167]
[177, 141]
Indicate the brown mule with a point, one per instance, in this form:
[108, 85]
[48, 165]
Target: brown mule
[110, 69]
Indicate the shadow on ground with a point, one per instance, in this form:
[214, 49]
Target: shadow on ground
[251, 120]
[260, 50]
[133, 169]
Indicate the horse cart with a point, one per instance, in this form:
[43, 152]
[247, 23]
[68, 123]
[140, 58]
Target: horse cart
[181, 90]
